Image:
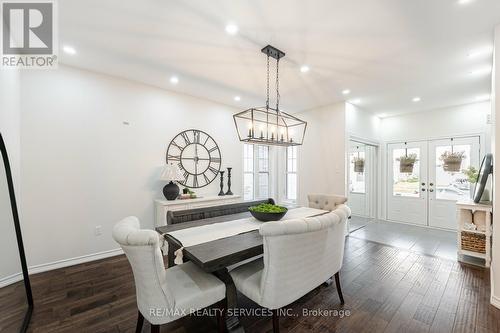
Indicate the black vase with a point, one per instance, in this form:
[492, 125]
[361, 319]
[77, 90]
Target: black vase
[171, 191]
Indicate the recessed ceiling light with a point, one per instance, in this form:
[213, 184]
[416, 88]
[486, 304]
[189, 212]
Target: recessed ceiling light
[174, 80]
[483, 98]
[69, 50]
[464, 2]
[232, 29]
[355, 101]
[237, 98]
[346, 92]
[304, 68]
[382, 115]
[416, 99]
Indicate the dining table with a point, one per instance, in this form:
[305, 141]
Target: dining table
[219, 243]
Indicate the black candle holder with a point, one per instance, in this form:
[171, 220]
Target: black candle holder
[221, 193]
[229, 182]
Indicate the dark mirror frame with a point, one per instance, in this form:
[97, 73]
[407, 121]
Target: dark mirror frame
[482, 177]
[17, 226]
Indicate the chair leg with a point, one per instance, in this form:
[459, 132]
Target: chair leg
[221, 315]
[155, 328]
[140, 322]
[276, 321]
[339, 290]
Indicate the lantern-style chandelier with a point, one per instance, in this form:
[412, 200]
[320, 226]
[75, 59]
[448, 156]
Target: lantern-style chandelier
[267, 125]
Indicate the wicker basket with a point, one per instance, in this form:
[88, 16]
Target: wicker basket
[359, 166]
[406, 167]
[452, 165]
[473, 242]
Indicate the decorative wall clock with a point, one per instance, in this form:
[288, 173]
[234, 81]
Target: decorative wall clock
[197, 155]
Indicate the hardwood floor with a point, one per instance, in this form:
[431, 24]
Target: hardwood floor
[385, 289]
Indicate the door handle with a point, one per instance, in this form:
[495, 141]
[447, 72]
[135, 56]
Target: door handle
[431, 184]
[423, 184]
[423, 189]
[431, 190]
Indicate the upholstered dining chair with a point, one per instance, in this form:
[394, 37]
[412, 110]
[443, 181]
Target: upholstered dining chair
[325, 201]
[164, 295]
[299, 255]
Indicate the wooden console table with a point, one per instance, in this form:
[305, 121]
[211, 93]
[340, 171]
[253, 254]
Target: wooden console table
[162, 206]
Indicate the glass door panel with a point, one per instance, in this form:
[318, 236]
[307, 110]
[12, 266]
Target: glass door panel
[405, 184]
[407, 193]
[452, 185]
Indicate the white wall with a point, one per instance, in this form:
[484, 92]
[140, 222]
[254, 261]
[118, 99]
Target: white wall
[9, 127]
[495, 148]
[448, 122]
[439, 123]
[322, 156]
[82, 167]
[362, 124]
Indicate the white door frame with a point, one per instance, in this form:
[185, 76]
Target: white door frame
[374, 193]
[385, 175]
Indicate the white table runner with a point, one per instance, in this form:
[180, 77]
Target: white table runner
[210, 232]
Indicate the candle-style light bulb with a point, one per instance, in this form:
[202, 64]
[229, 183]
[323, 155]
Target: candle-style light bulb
[250, 132]
[261, 127]
[272, 132]
[282, 133]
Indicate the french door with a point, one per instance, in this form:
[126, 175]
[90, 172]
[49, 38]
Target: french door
[427, 193]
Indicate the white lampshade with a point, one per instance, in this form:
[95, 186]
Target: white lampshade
[171, 172]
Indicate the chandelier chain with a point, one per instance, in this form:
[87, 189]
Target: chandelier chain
[267, 100]
[277, 85]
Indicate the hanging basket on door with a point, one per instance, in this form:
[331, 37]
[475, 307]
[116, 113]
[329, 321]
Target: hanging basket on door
[452, 161]
[359, 164]
[406, 163]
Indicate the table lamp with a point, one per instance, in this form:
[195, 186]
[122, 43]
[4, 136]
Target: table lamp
[171, 173]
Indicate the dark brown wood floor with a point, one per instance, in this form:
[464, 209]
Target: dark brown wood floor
[386, 290]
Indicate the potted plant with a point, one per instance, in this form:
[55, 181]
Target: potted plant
[406, 162]
[452, 161]
[359, 164]
[471, 174]
[267, 212]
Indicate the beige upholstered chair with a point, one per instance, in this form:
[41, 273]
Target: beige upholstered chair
[164, 295]
[299, 255]
[325, 201]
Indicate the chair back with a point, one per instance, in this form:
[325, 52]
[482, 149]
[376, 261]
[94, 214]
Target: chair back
[325, 201]
[142, 248]
[299, 255]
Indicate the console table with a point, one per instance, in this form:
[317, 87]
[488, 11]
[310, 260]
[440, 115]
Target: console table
[162, 206]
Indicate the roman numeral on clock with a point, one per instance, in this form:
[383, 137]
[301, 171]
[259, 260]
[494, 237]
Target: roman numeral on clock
[173, 158]
[214, 170]
[195, 181]
[213, 149]
[186, 138]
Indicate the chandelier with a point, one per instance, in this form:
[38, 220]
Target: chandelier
[267, 125]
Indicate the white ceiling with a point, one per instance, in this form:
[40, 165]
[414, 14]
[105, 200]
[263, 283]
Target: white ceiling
[386, 52]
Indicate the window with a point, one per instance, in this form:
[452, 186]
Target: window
[248, 172]
[356, 179]
[291, 173]
[256, 172]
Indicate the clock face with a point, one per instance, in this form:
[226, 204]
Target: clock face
[197, 155]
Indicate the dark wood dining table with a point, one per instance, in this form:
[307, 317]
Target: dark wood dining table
[216, 256]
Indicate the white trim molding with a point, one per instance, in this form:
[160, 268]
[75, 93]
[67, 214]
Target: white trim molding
[8, 280]
[73, 261]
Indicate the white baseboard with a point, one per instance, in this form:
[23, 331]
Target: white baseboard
[4, 282]
[73, 261]
[495, 301]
